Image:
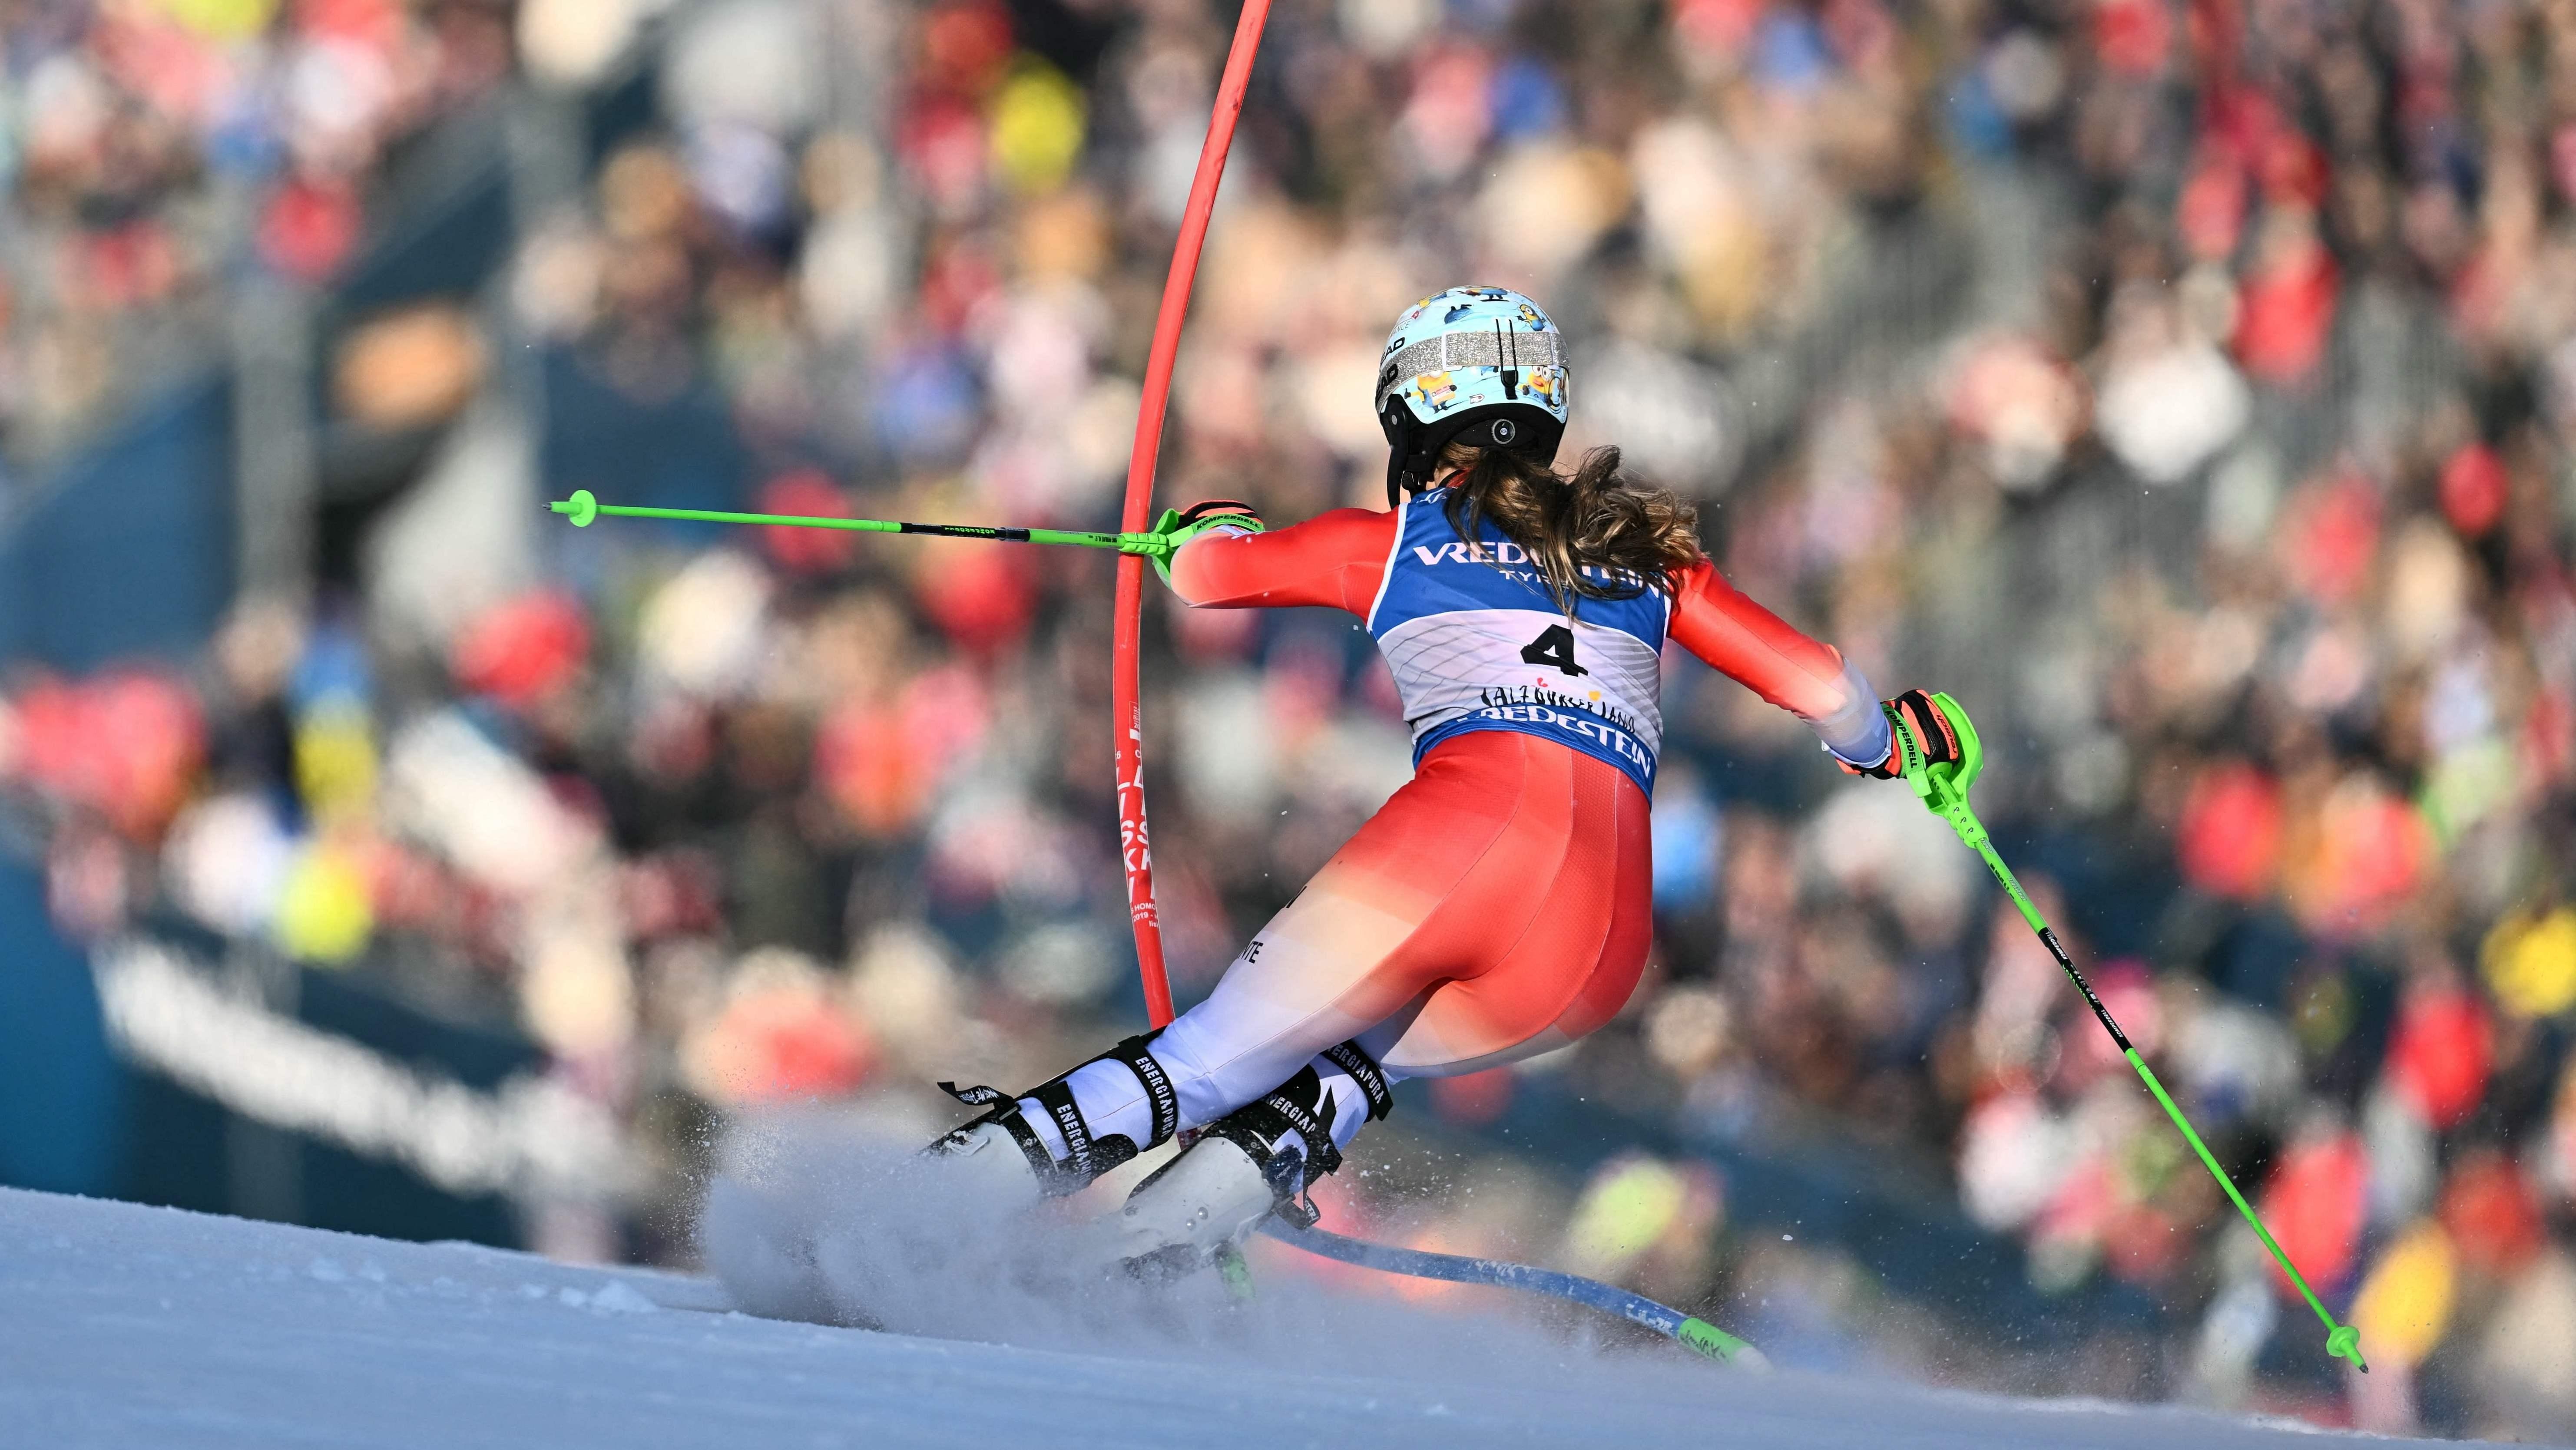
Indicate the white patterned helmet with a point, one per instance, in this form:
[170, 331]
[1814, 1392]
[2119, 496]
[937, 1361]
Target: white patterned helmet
[1479, 365]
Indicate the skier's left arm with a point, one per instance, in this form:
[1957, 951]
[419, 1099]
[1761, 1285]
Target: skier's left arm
[1804, 676]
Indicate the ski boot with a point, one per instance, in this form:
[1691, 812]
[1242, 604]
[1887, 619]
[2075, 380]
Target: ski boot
[1255, 1162]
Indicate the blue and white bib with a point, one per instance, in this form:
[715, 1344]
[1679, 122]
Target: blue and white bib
[1477, 642]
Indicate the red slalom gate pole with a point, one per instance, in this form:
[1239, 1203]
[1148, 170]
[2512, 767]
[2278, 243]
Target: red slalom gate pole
[1128, 726]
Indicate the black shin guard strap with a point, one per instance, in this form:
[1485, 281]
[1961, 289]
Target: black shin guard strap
[1137, 1053]
[1086, 1156]
[1089, 1154]
[1300, 1104]
[1000, 1107]
[1352, 1058]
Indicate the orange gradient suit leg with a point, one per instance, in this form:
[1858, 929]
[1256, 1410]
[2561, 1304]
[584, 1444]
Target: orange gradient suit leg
[1495, 907]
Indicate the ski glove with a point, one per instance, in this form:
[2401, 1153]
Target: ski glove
[1178, 526]
[1915, 713]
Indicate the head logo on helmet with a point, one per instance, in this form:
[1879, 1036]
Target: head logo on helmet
[1479, 365]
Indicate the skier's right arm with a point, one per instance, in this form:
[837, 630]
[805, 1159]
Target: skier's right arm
[1771, 657]
[1333, 559]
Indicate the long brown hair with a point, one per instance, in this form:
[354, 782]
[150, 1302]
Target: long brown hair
[1596, 533]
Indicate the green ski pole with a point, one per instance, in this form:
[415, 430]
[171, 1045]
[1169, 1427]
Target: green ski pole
[1944, 789]
[583, 510]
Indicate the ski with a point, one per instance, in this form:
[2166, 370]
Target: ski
[1689, 1331]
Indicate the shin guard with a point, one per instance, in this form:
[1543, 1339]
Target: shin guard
[1088, 1152]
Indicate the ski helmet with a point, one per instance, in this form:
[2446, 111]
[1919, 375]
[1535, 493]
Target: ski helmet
[1479, 365]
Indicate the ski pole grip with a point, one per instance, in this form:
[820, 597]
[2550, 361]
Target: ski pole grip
[1943, 788]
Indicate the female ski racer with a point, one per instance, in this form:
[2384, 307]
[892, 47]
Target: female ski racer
[1498, 905]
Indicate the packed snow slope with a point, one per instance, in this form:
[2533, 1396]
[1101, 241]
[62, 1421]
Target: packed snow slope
[127, 1326]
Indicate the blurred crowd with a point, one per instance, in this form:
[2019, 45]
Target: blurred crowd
[2187, 387]
[156, 154]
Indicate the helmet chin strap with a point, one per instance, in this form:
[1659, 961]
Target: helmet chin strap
[1401, 432]
[1414, 451]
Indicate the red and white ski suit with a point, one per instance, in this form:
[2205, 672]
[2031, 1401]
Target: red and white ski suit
[1498, 905]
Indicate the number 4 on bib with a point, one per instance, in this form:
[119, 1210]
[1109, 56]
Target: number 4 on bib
[1554, 647]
